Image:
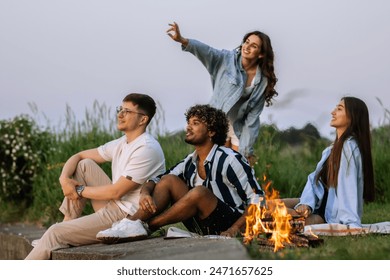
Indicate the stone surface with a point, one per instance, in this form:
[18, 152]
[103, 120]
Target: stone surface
[15, 244]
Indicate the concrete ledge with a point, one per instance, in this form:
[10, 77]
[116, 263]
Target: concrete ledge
[158, 248]
[15, 240]
[15, 244]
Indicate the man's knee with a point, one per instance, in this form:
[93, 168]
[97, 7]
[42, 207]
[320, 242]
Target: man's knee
[84, 164]
[170, 181]
[54, 232]
[201, 192]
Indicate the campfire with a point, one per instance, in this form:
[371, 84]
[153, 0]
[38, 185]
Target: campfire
[273, 227]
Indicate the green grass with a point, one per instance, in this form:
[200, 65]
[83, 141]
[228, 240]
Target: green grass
[361, 247]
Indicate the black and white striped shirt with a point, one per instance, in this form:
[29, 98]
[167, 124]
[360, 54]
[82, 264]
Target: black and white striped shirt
[228, 176]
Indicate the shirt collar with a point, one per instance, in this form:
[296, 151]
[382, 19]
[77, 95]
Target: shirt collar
[209, 156]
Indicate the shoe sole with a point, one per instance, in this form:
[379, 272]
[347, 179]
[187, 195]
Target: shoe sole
[114, 240]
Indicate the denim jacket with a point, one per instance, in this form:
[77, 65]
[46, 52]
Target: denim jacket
[345, 203]
[228, 80]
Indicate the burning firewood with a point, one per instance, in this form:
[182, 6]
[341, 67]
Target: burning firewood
[297, 224]
[299, 240]
[296, 241]
[273, 226]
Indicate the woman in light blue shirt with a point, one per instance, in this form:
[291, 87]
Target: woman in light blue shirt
[243, 81]
[344, 177]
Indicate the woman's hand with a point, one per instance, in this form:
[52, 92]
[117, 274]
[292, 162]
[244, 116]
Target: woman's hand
[174, 33]
[303, 210]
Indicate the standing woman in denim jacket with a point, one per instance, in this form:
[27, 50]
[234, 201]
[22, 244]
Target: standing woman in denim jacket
[243, 81]
[344, 177]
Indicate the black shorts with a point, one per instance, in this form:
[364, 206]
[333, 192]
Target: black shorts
[222, 218]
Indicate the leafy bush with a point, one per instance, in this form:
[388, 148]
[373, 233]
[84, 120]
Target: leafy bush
[24, 150]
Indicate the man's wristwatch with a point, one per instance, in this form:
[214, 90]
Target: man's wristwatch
[79, 190]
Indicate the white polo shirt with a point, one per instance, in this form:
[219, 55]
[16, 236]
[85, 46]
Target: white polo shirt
[139, 160]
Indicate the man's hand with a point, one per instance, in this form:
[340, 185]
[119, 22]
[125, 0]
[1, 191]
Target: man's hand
[231, 232]
[68, 186]
[147, 204]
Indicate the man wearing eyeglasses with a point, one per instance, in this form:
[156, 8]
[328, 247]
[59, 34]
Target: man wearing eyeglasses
[134, 157]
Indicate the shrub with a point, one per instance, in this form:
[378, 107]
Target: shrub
[23, 150]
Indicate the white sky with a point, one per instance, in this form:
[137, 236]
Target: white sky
[74, 52]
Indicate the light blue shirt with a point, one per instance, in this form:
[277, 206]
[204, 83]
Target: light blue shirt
[228, 80]
[345, 203]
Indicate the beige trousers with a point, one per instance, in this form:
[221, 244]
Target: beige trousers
[80, 230]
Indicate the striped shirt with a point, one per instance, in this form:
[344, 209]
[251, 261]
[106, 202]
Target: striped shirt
[228, 176]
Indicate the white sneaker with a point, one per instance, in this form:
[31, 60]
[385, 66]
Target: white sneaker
[123, 231]
[34, 242]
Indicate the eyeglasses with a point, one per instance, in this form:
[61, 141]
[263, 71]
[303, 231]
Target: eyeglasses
[124, 111]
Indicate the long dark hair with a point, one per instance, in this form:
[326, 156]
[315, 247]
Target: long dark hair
[266, 64]
[359, 129]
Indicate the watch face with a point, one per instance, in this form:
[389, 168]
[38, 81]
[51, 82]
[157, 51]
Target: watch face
[79, 189]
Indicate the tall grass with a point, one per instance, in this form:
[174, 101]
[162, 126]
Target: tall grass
[381, 156]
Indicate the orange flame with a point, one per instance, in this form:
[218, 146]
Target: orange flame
[275, 211]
